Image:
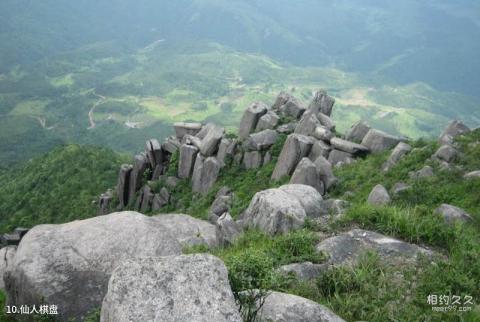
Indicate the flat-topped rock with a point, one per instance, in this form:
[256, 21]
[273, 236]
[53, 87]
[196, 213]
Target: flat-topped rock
[261, 141]
[378, 141]
[210, 142]
[349, 147]
[173, 288]
[182, 128]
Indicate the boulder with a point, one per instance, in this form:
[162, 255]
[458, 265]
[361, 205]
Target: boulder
[322, 133]
[123, 185]
[274, 211]
[349, 147]
[289, 105]
[452, 214]
[357, 132]
[295, 148]
[227, 230]
[287, 128]
[379, 196]
[378, 141]
[282, 307]
[7, 255]
[309, 198]
[158, 171]
[446, 153]
[306, 174]
[210, 142]
[347, 248]
[337, 157]
[322, 103]
[472, 175]
[261, 141]
[226, 148]
[268, 121]
[307, 124]
[182, 129]
[222, 204]
[324, 168]
[158, 202]
[171, 145]
[267, 158]
[252, 160]
[174, 288]
[399, 188]
[154, 152]
[326, 121]
[64, 263]
[140, 164]
[319, 148]
[303, 271]
[454, 129]
[187, 157]
[397, 154]
[424, 172]
[187, 230]
[192, 140]
[147, 199]
[171, 182]
[335, 207]
[105, 203]
[205, 174]
[204, 131]
[250, 119]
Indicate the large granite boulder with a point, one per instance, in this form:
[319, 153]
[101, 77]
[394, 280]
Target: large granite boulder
[295, 148]
[250, 119]
[7, 255]
[378, 141]
[337, 157]
[173, 288]
[454, 129]
[187, 230]
[324, 168]
[205, 174]
[268, 121]
[319, 148]
[322, 103]
[347, 248]
[64, 263]
[306, 174]
[309, 198]
[305, 271]
[252, 160]
[326, 121]
[282, 307]
[140, 164]
[123, 185]
[322, 133]
[452, 214]
[261, 141]
[397, 154]
[227, 230]
[188, 155]
[182, 129]
[307, 124]
[210, 142]
[357, 132]
[446, 153]
[349, 147]
[379, 196]
[289, 105]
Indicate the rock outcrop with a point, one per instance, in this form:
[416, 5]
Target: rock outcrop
[378, 141]
[295, 148]
[205, 174]
[173, 288]
[453, 130]
[250, 119]
[397, 154]
[7, 255]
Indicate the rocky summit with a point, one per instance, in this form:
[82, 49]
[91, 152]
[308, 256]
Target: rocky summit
[286, 221]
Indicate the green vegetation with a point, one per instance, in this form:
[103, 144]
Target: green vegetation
[57, 187]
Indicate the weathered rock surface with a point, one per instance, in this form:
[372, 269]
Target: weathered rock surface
[349, 147]
[187, 230]
[321, 103]
[154, 152]
[309, 198]
[182, 129]
[324, 168]
[282, 307]
[319, 148]
[378, 141]
[140, 164]
[424, 172]
[446, 153]
[171, 145]
[326, 121]
[397, 154]
[357, 132]
[105, 202]
[225, 149]
[64, 263]
[7, 255]
[379, 196]
[268, 121]
[123, 185]
[399, 187]
[175, 288]
[472, 175]
[306, 174]
[187, 157]
[452, 214]
[303, 271]
[322, 133]
[287, 128]
[210, 142]
[227, 230]
[337, 157]
[289, 105]
[252, 160]
[347, 248]
[455, 128]
[307, 124]
[261, 141]
[222, 204]
[274, 211]
[295, 148]
[146, 199]
[250, 119]
[205, 174]
[335, 207]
